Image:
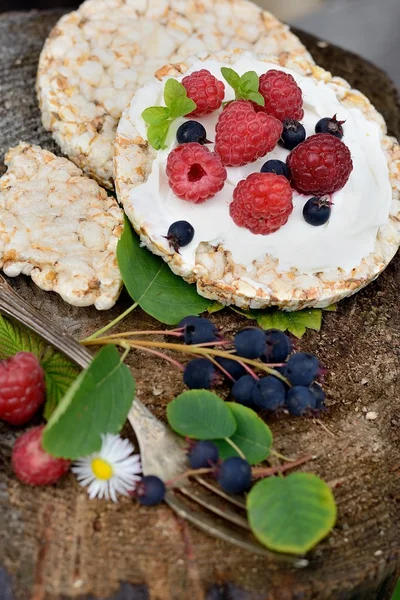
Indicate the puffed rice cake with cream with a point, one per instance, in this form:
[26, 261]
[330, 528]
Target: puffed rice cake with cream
[59, 227]
[262, 281]
[96, 57]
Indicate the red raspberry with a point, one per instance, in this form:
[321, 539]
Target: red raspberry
[283, 97]
[320, 165]
[22, 388]
[32, 464]
[243, 135]
[262, 202]
[194, 173]
[204, 89]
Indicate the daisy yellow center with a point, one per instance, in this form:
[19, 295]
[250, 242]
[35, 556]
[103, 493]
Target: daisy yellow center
[102, 468]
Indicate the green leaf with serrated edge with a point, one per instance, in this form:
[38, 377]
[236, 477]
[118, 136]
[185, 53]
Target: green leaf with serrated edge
[59, 371]
[181, 107]
[173, 90]
[296, 322]
[201, 415]
[157, 134]
[231, 77]
[256, 97]
[291, 514]
[249, 81]
[252, 436]
[215, 307]
[97, 402]
[156, 114]
[150, 282]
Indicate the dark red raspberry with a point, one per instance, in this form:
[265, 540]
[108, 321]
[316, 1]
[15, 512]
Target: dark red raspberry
[243, 135]
[194, 173]
[283, 97]
[262, 203]
[22, 388]
[31, 464]
[205, 90]
[320, 165]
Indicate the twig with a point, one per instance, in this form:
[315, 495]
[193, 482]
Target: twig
[324, 427]
[259, 472]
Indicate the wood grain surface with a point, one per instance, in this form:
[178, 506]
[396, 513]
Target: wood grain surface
[55, 544]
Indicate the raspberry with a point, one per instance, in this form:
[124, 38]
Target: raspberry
[262, 202]
[22, 388]
[194, 173]
[31, 464]
[205, 90]
[243, 135]
[283, 97]
[320, 165]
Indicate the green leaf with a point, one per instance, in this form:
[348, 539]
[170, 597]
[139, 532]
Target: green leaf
[331, 308]
[59, 371]
[231, 77]
[151, 283]
[157, 134]
[97, 402]
[181, 107]
[173, 90]
[256, 97]
[252, 435]
[291, 514]
[156, 114]
[215, 307]
[201, 415]
[296, 322]
[249, 81]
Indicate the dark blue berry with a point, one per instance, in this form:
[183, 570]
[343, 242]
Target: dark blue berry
[330, 125]
[198, 330]
[234, 475]
[299, 400]
[319, 395]
[180, 234]
[235, 369]
[150, 490]
[191, 131]
[200, 374]
[242, 390]
[278, 347]
[293, 134]
[269, 393]
[250, 342]
[317, 211]
[276, 166]
[302, 368]
[203, 454]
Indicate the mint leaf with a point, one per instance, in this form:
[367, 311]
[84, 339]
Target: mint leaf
[249, 81]
[173, 90]
[181, 107]
[157, 134]
[156, 114]
[256, 97]
[231, 77]
[97, 402]
[59, 371]
[245, 87]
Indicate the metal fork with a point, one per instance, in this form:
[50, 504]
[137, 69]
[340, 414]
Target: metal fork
[161, 450]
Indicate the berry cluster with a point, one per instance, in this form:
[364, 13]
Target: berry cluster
[246, 131]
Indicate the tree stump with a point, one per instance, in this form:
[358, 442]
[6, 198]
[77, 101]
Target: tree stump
[55, 544]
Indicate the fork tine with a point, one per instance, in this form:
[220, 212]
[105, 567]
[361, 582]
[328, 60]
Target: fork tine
[209, 504]
[217, 490]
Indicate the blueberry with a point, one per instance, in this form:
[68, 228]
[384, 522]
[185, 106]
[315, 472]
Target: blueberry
[269, 393]
[191, 131]
[317, 211]
[200, 374]
[235, 369]
[319, 395]
[180, 234]
[278, 348]
[276, 166]
[242, 390]
[292, 135]
[302, 368]
[150, 490]
[250, 342]
[198, 330]
[330, 125]
[234, 475]
[299, 399]
[203, 454]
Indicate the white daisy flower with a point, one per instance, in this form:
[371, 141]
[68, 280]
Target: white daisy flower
[111, 471]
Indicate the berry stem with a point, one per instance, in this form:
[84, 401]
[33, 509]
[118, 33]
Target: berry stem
[259, 472]
[189, 473]
[235, 447]
[125, 334]
[250, 371]
[281, 456]
[160, 355]
[228, 375]
[117, 320]
[208, 344]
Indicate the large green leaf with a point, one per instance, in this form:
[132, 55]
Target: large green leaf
[201, 415]
[97, 402]
[291, 514]
[59, 371]
[252, 436]
[152, 284]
